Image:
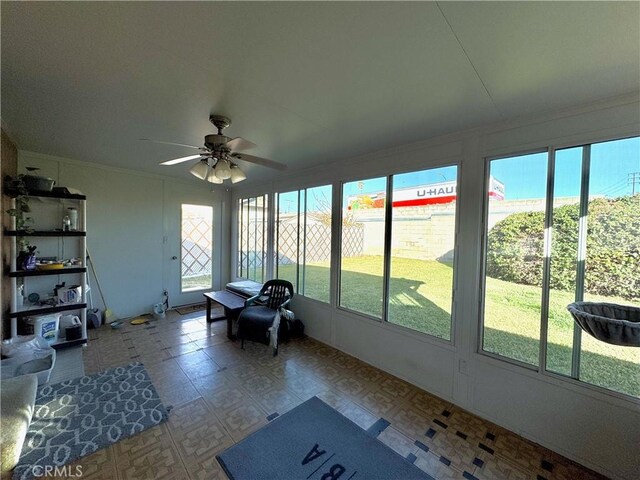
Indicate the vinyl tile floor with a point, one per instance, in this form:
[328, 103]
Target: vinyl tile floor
[220, 394]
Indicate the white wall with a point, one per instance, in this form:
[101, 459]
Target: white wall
[126, 227]
[595, 428]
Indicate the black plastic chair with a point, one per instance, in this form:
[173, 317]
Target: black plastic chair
[257, 319]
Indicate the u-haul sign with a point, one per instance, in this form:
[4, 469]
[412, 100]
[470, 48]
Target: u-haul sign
[432, 194]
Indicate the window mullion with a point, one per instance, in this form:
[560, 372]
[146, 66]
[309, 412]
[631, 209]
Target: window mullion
[276, 239]
[304, 243]
[582, 256]
[546, 272]
[298, 243]
[270, 235]
[388, 212]
[247, 246]
[240, 237]
[337, 224]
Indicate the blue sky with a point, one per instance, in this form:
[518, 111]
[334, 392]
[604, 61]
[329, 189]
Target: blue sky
[523, 176]
[526, 176]
[611, 162]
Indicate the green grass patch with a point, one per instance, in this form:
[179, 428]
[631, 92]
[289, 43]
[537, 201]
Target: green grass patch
[197, 282]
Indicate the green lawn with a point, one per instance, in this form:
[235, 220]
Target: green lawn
[196, 283]
[421, 299]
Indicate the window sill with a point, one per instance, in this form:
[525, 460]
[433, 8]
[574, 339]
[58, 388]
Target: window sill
[571, 384]
[404, 331]
[314, 301]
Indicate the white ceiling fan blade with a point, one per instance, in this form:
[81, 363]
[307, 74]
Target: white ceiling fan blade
[239, 144]
[171, 143]
[181, 159]
[260, 161]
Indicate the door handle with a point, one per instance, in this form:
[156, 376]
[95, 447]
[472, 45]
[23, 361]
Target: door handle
[174, 258]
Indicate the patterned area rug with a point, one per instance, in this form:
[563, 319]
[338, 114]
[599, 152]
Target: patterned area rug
[77, 417]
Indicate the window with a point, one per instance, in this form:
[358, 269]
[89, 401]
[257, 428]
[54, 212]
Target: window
[423, 230]
[564, 258]
[514, 257]
[363, 235]
[303, 240]
[397, 256]
[590, 252]
[252, 238]
[196, 247]
[315, 277]
[288, 237]
[612, 258]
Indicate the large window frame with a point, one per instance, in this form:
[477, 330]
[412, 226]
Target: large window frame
[301, 241]
[484, 246]
[184, 209]
[242, 270]
[388, 216]
[541, 368]
[387, 235]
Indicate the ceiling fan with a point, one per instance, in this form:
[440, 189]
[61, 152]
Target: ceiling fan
[216, 160]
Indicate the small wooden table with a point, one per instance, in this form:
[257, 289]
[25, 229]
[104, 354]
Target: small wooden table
[233, 304]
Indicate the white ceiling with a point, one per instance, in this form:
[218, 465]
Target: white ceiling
[308, 82]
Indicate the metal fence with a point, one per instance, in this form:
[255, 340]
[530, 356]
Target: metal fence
[251, 251]
[353, 240]
[315, 243]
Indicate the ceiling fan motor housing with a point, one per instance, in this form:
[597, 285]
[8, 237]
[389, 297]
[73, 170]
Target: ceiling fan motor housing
[215, 141]
[220, 155]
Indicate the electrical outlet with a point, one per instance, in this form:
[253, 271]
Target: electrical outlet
[464, 367]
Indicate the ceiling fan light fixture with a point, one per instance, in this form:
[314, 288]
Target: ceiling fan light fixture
[200, 169]
[237, 175]
[212, 178]
[223, 172]
[218, 153]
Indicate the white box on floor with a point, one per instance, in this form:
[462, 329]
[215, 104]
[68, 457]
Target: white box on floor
[27, 355]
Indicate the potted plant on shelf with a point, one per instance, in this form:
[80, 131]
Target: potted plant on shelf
[16, 189]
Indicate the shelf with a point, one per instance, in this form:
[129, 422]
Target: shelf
[44, 233]
[32, 310]
[56, 193]
[47, 204]
[61, 344]
[40, 273]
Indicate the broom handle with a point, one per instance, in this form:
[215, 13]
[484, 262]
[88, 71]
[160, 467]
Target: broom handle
[93, 269]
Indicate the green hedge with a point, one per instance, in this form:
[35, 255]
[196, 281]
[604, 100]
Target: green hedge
[515, 248]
